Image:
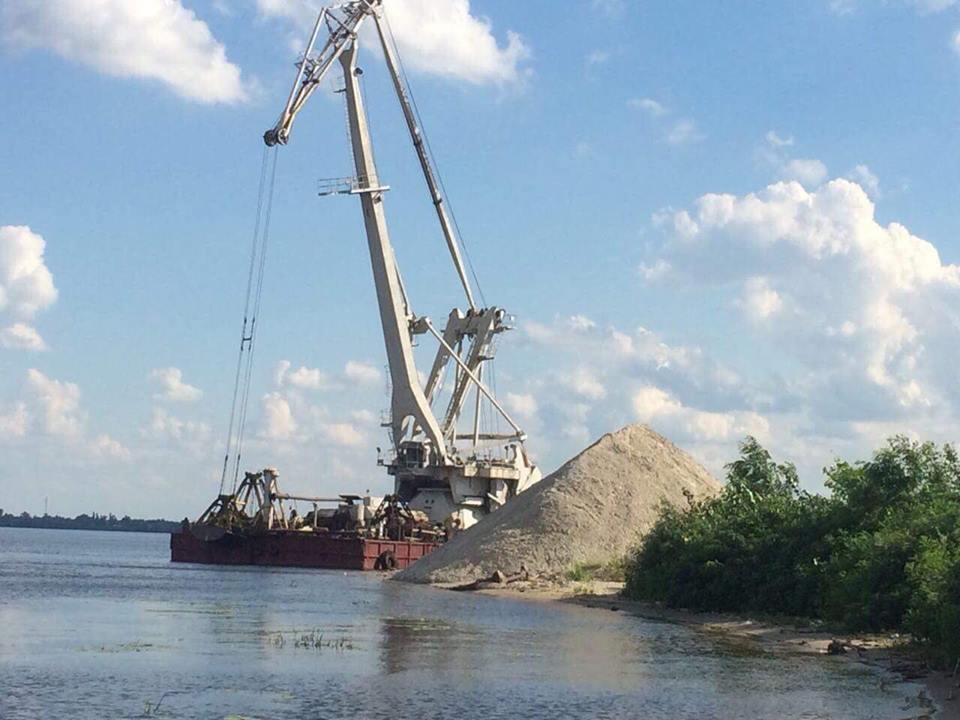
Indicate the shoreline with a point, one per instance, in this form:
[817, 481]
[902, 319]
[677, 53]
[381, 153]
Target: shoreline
[939, 689]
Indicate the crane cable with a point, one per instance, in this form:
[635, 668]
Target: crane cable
[251, 311]
[436, 168]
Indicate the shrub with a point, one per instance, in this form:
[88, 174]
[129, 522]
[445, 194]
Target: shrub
[882, 552]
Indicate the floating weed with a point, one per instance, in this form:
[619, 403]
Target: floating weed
[312, 640]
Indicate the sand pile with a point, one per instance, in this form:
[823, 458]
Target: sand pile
[594, 509]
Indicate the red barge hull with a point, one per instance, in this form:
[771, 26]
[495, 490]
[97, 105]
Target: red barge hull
[298, 549]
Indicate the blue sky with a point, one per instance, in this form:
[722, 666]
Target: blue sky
[718, 218]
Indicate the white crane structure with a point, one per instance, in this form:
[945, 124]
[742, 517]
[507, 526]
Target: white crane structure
[454, 474]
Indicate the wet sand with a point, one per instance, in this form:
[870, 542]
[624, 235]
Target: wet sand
[940, 696]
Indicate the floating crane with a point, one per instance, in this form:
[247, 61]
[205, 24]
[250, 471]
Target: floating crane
[454, 474]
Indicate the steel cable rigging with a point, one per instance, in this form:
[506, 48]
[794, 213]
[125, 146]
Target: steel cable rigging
[251, 312]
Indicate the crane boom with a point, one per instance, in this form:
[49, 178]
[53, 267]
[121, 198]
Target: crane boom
[408, 399]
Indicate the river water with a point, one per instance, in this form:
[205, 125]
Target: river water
[100, 625]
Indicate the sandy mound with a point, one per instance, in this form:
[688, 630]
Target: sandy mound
[592, 510]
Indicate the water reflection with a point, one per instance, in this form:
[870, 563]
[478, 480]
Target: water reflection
[99, 625]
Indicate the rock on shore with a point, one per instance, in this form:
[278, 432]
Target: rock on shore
[594, 509]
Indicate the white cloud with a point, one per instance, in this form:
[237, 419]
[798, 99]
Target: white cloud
[581, 323]
[759, 299]
[932, 6]
[654, 406]
[278, 422]
[435, 37]
[842, 7]
[650, 402]
[306, 378]
[361, 372]
[174, 389]
[343, 434]
[775, 151]
[583, 382]
[364, 417]
[807, 171]
[654, 271]
[684, 132]
[21, 336]
[864, 177]
[648, 105]
[303, 377]
[679, 131]
[26, 284]
[610, 8]
[872, 307]
[182, 432]
[60, 402]
[14, 424]
[150, 39]
[106, 447]
[774, 140]
[524, 406]
[597, 57]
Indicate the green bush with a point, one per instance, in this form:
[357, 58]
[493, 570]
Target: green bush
[882, 552]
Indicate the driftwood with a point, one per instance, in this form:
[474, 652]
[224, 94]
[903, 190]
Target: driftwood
[497, 579]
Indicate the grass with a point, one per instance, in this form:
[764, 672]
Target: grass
[612, 571]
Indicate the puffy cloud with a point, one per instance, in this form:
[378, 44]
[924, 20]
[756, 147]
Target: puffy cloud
[583, 383]
[278, 422]
[436, 37]
[188, 433]
[523, 406]
[361, 372]
[343, 434]
[21, 336]
[655, 406]
[14, 424]
[173, 388]
[809, 172]
[26, 284]
[759, 299]
[654, 271]
[60, 402]
[775, 151]
[106, 447]
[867, 309]
[152, 39]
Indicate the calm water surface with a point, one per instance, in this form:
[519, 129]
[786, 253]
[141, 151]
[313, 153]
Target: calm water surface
[101, 625]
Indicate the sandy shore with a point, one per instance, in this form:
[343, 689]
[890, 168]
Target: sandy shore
[941, 690]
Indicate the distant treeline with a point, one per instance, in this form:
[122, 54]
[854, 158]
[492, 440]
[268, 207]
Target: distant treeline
[88, 522]
[880, 553]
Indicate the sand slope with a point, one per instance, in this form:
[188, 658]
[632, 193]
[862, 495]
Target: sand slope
[595, 508]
